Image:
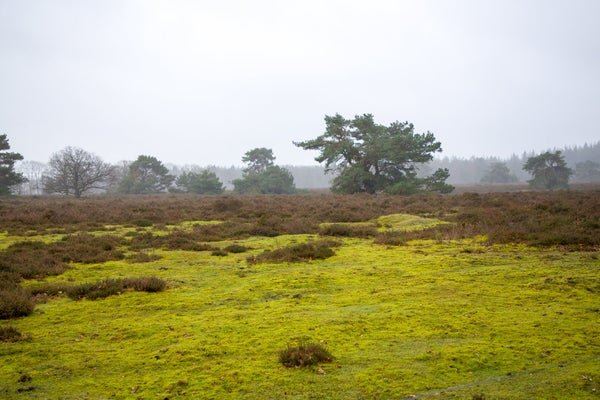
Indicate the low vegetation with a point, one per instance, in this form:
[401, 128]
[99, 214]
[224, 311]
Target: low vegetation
[304, 353]
[10, 334]
[111, 287]
[313, 250]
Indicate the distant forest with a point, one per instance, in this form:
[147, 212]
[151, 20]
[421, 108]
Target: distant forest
[463, 171]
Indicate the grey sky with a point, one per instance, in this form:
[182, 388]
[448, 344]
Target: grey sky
[203, 81]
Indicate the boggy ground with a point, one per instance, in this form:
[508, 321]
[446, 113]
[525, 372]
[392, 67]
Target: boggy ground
[431, 317]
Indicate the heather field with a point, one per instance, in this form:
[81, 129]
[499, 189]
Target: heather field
[469, 296]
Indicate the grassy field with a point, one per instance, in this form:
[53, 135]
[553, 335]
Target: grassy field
[429, 319]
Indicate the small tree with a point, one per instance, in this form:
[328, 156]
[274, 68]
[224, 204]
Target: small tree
[261, 176]
[8, 176]
[549, 171]
[205, 182]
[587, 171]
[74, 171]
[146, 175]
[371, 157]
[498, 172]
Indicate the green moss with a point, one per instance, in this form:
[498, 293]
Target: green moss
[431, 319]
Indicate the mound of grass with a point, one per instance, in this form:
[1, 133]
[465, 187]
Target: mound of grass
[304, 353]
[110, 287]
[218, 253]
[406, 222]
[316, 250]
[15, 303]
[359, 229]
[10, 334]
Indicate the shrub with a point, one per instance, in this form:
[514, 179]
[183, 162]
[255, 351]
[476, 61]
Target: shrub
[298, 252]
[304, 353]
[96, 290]
[15, 303]
[110, 287]
[88, 249]
[48, 289]
[10, 334]
[142, 257]
[236, 248]
[30, 260]
[348, 230]
[218, 253]
[150, 284]
[390, 239]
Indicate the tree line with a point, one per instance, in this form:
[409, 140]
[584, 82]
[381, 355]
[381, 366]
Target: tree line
[360, 154]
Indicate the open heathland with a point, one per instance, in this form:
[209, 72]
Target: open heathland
[311, 296]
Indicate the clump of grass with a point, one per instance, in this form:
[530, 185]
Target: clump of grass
[10, 334]
[236, 248]
[348, 230]
[142, 257]
[218, 253]
[110, 287]
[15, 303]
[304, 353]
[316, 250]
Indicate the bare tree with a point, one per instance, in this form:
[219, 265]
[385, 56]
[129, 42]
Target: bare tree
[33, 171]
[74, 171]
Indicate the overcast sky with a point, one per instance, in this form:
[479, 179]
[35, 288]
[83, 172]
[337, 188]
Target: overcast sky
[203, 81]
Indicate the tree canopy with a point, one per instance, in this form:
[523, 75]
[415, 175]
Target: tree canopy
[204, 182]
[498, 172]
[146, 175]
[261, 176]
[370, 157]
[8, 176]
[549, 171]
[74, 171]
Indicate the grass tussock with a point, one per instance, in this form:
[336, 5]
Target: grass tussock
[236, 248]
[10, 334]
[111, 287]
[314, 250]
[304, 353]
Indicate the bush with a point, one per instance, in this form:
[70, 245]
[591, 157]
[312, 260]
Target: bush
[48, 289]
[150, 284]
[348, 230]
[218, 253]
[10, 334]
[304, 353]
[142, 258]
[88, 249]
[110, 287]
[15, 303]
[318, 250]
[30, 260]
[96, 290]
[236, 248]
[390, 239]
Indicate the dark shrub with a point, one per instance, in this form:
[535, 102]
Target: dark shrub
[236, 248]
[304, 353]
[15, 303]
[390, 239]
[176, 240]
[150, 284]
[348, 230]
[10, 334]
[298, 252]
[31, 260]
[218, 253]
[143, 223]
[88, 249]
[96, 290]
[109, 287]
[48, 289]
[142, 257]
